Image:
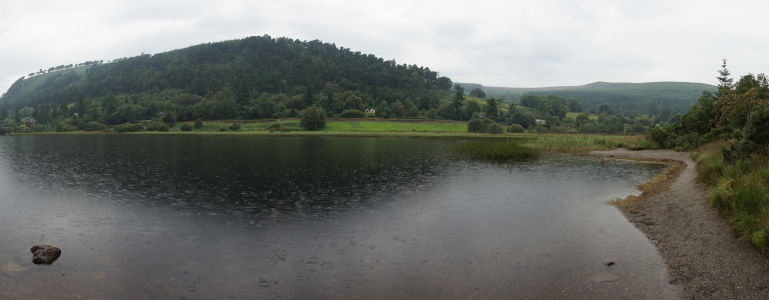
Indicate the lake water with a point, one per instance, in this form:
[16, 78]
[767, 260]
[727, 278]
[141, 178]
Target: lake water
[241, 217]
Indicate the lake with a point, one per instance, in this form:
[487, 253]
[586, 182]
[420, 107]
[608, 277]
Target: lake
[245, 217]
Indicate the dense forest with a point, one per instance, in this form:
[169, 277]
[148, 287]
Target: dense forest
[728, 131]
[256, 77]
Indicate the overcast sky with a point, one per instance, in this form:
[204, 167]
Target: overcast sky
[499, 43]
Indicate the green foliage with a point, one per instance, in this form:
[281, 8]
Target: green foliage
[661, 136]
[313, 118]
[352, 113]
[157, 126]
[492, 111]
[198, 124]
[710, 162]
[515, 128]
[126, 113]
[476, 125]
[129, 127]
[477, 93]
[234, 127]
[186, 127]
[652, 98]
[484, 125]
[523, 118]
[255, 77]
[550, 104]
[495, 128]
[93, 126]
[499, 152]
[169, 118]
[274, 127]
[754, 136]
[743, 195]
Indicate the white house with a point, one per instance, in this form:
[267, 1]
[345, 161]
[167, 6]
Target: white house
[540, 122]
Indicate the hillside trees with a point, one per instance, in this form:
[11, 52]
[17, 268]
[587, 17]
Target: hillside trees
[255, 77]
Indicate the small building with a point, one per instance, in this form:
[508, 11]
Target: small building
[540, 122]
[481, 114]
[370, 111]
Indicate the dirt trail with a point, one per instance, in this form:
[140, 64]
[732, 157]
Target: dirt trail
[702, 252]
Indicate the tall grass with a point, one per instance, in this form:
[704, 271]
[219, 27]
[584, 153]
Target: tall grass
[581, 143]
[741, 190]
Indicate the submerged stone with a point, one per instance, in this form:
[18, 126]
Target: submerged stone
[45, 254]
[12, 268]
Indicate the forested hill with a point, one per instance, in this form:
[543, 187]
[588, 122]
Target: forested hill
[225, 80]
[643, 98]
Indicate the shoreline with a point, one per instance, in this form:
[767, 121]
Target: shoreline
[702, 252]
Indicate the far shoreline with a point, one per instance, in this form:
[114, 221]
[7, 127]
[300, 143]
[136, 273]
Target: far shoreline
[543, 142]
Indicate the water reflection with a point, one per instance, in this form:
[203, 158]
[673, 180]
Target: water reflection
[313, 217]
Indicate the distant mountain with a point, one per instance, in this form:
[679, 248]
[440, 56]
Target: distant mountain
[645, 98]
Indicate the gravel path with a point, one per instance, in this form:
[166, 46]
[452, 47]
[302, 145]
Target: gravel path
[703, 254]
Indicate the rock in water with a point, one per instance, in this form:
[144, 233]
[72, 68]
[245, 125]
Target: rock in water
[45, 254]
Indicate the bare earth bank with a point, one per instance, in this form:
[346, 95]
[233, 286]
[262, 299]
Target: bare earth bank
[703, 254]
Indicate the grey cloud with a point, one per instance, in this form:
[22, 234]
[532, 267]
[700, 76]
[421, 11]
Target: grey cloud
[504, 43]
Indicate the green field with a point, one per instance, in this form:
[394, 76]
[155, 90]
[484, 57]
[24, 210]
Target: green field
[573, 116]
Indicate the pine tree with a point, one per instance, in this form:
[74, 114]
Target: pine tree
[457, 103]
[724, 81]
[492, 111]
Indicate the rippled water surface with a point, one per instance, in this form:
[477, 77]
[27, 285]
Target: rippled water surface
[239, 217]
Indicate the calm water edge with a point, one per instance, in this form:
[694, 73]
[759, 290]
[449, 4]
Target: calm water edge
[243, 217]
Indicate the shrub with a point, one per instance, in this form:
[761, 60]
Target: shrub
[313, 118]
[273, 127]
[515, 128]
[754, 136]
[186, 127]
[157, 126]
[477, 125]
[169, 118]
[4, 131]
[495, 128]
[484, 125]
[94, 126]
[710, 167]
[660, 135]
[198, 124]
[129, 127]
[353, 113]
[234, 127]
[64, 127]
